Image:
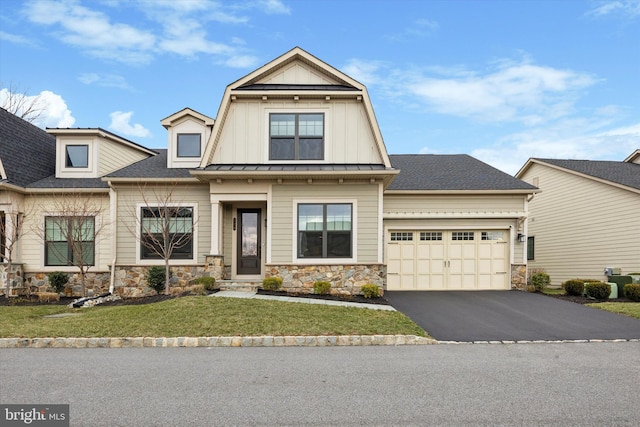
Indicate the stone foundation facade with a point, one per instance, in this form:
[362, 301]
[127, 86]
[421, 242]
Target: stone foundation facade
[15, 277]
[519, 277]
[344, 279]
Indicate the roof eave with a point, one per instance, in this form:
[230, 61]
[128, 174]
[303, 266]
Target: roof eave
[522, 191]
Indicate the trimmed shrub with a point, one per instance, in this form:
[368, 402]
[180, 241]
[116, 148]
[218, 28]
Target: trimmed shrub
[574, 287]
[58, 280]
[207, 282]
[632, 291]
[198, 290]
[321, 288]
[155, 278]
[370, 291]
[540, 281]
[598, 290]
[272, 283]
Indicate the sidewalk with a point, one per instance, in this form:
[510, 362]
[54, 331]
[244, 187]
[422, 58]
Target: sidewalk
[254, 295]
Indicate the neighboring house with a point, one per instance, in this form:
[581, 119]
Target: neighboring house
[292, 179]
[586, 218]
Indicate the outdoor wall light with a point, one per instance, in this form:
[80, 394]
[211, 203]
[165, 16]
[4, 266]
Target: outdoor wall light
[522, 238]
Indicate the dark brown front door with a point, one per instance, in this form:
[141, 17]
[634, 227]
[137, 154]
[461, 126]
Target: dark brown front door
[249, 241]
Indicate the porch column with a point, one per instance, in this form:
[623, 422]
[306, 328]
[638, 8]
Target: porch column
[216, 210]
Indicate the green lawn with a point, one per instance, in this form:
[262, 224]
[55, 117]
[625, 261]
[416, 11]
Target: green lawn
[627, 308]
[203, 316]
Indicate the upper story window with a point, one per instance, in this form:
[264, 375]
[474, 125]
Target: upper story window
[77, 156]
[188, 145]
[296, 136]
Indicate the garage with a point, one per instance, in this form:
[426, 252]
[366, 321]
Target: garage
[448, 260]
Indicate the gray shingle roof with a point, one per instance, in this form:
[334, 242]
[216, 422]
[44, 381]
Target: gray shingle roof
[450, 172]
[53, 182]
[624, 173]
[28, 153]
[151, 167]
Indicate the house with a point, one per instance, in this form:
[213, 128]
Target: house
[586, 217]
[291, 179]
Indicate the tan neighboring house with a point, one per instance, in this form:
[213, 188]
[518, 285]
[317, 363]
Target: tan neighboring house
[586, 218]
[291, 179]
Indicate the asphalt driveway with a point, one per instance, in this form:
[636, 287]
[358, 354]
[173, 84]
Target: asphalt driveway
[509, 316]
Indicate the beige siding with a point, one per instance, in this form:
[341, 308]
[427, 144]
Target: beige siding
[581, 226]
[283, 221]
[130, 196]
[297, 73]
[468, 203]
[348, 135]
[33, 239]
[114, 156]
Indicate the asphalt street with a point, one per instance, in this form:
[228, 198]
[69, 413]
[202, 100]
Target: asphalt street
[592, 384]
[509, 315]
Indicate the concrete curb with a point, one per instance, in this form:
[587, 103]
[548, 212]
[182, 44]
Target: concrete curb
[257, 341]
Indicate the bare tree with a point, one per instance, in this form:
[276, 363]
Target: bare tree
[163, 226]
[18, 102]
[11, 227]
[70, 233]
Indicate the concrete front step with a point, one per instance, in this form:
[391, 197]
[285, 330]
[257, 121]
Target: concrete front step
[239, 285]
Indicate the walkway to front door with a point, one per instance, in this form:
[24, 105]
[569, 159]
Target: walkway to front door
[249, 242]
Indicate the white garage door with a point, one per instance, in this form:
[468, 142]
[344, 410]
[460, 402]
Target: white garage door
[448, 260]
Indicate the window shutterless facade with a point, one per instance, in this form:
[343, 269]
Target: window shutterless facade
[188, 145]
[77, 156]
[69, 240]
[325, 230]
[531, 248]
[296, 136]
[178, 223]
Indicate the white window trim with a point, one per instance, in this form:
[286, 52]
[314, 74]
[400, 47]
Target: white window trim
[288, 110]
[91, 171]
[70, 268]
[152, 262]
[354, 233]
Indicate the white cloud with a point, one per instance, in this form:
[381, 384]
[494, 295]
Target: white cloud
[628, 8]
[53, 110]
[120, 124]
[418, 29]
[14, 38]
[104, 80]
[274, 7]
[241, 61]
[366, 72]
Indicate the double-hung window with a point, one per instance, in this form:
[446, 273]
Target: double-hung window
[296, 136]
[174, 222]
[69, 240]
[325, 230]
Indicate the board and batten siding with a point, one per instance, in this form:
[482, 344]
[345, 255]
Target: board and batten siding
[283, 222]
[32, 243]
[581, 226]
[130, 196]
[298, 73]
[114, 156]
[348, 134]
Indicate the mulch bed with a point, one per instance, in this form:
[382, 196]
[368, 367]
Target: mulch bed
[346, 298]
[585, 300]
[33, 300]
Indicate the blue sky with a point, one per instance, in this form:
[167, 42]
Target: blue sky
[499, 80]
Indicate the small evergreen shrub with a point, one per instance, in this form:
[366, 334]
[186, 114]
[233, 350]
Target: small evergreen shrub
[370, 291]
[58, 280]
[321, 287]
[155, 278]
[198, 290]
[272, 283]
[540, 281]
[598, 290]
[632, 291]
[207, 282]
[574, 287]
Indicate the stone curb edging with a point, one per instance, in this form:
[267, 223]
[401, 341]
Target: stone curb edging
[257, 341]
[261, 341]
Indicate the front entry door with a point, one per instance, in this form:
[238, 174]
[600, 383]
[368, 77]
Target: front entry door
[249, 241]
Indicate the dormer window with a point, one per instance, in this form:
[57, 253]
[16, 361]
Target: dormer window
[77, 156]
[188, 145]
[296, 136]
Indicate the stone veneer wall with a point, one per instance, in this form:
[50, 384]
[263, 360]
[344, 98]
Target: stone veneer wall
[344, 279]
[519, 277]
[15, 277]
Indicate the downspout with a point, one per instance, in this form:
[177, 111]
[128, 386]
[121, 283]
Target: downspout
[113, 212]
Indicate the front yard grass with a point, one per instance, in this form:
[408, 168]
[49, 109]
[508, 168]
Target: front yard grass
[203, 316]
[627, 308]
